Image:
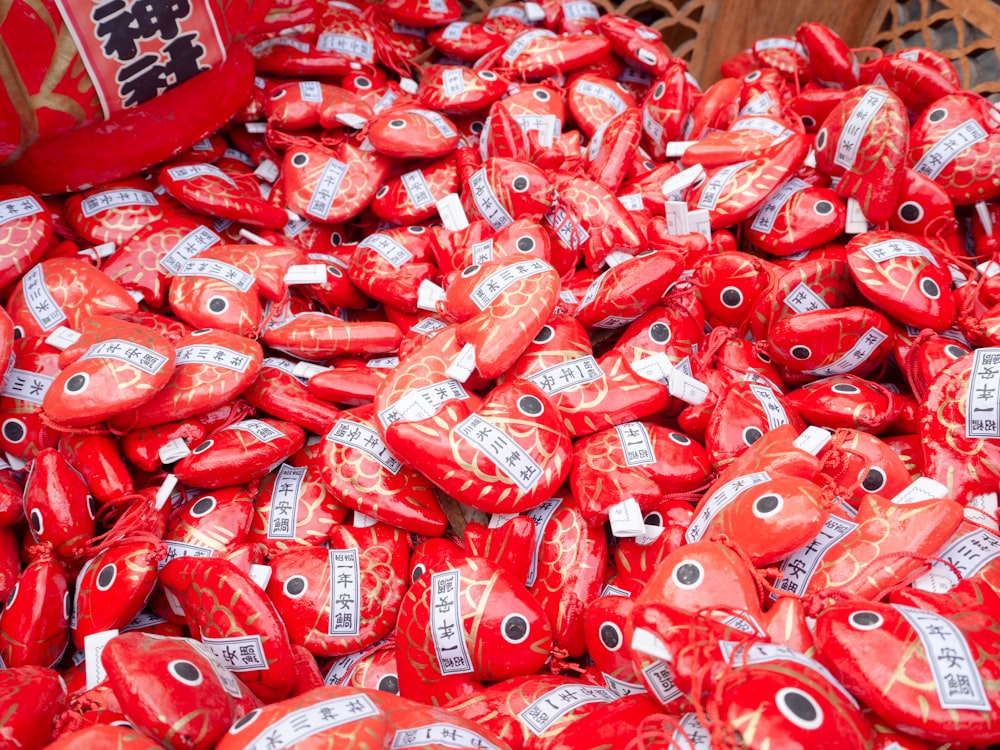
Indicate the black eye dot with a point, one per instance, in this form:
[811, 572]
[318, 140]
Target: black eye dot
[295, 585]
[76, 383]
[680, 438]
[520, 183]
[731, 297]
[476, 127]
[107, 575]
[653, 519]
[821, 138]
[470, 270]
[530, 406]
[489, 75]
[335, 238]
[362, 82]
[389, 684]
[515, 627]
[865, 618]
[938, 114]
[92, 506]
[800, 352]
[418, 570]
[541, 95]
[526, 244]
[660, 88]
[930, 288]
[687, 573]
[397, 123]
[764, 357]
[203, 447]
[808, 121]
[217, 304]
[244, 720]
[36, 520]
[11, 596]
[299, 160]
[800, 705]
[544, 335]
[18, 332]
[910, 212]
[767, 503]
[610, 636]
[874, 480]
[954, 351]
[14, 430]
[751, 77]
[382, 191]
[659, 332]
[845, 388]
[824, 207]
[334, 271]
[203, 506]
[751, 435]
[186, 671]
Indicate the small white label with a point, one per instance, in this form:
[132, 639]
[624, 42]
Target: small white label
[691, 734]
[26, 385]
[326, 189]
[599, 91]
[305, 273]
[812, 440]
[441, 734]
[183, 549]
[569, 232]
[684, 387]
[577, 9]
[219, 356]
[766, 214]
[632, 202]
[548, 127]
[854, 129]
[423, 402]
[803, 299]
[921, 490]
[956, 677]
[540, 515]
[18, 208]
[660, 680]
[773, 409]
[798, 568]
[200, 170]
[173, 450]
[951, 145]
[509, 457]
[453, 31]
[867, 344]
[969, 554]
[93, 646]
[284, 506]
[306, 722]
[278, 41]
[761, 125]
[435, 119]
[712, 191]
[260, 430]
[636, 445]
[486, 201]
[216, 269]
[138, 356]
[566, 375]
[625, 518]
[41, 305]
[310, 91]
[757, 106]
[417, 188]
[883, 251]
[453, 82]
[452, 213]
[482, 252]
[144, 620]
[446, 623]
[346, 44]
[521, 42]
[428, 325]
[94, 204]
[194, 242]
[383, 363]
[982, 405]
[487, 290]
[556, 703]
[719, 499]
[244, 653]
[621, 688]
[279, 364]
[390, 250]
[345, 592]
[650, 126]
[365, 439]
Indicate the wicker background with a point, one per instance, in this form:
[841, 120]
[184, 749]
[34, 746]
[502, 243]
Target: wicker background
[706, 32]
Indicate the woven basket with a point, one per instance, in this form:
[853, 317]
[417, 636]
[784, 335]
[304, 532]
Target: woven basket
[706, 32]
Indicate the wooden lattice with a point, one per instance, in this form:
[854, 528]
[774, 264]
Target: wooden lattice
[966, 31]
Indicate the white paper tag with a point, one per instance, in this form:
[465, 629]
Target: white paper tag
[216, 356]
[422, 403]
[18, 208]
[452, 82]
[636, 446]
[326, 190]
[260, 575]
[242, 653]
[867, 343]
[305, 273]
[452, 213]
[566, 375]
[296, 726]
[464, 364]
[441, 734]
[173, 451]
[920, 490]
[26, 385]
[446, 623]
[889, 249]
[138, 356]
[260, 430]
[773, 409]
[690, 734]
[94, 204]
[194, 242]
[677, 217]
[813, 439]
[507, 455]
[354, 435]
[555, 704]
[345, 593]
[719, 499]
[521, 42]
[956, 677]
[942, 153]
[93, 646]
[625, 518]
[393, 253]
[660, 680]
[199, 170]
[216, 269]
[487, 290]
[684, 387]
[682, 180]
[599, 91]
[968, 553]
[486, 201]
[310, 91]
[712, 190]
[803, 299]
[417, 189]
[799, 567]
[759, 105]
[857, 124]
[768, 212]
[41, 305]
[283, 507]
[540, 515]
[346, 44]
[453, 31]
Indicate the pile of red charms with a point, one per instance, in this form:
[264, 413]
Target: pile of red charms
[548, 402]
